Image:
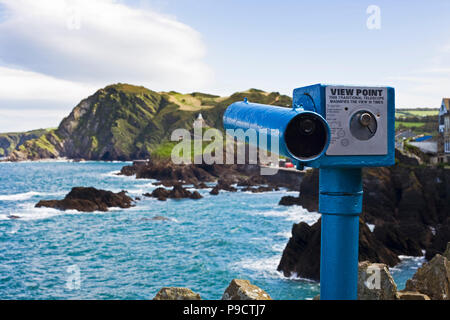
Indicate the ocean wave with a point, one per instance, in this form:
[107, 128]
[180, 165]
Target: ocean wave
[114, 174]
[286, 234]
[410, 262]
[28, 211]
[26, 195]
[294, 213]
[266, 268]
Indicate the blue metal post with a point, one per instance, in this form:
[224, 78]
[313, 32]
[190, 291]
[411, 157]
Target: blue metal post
[340, 203]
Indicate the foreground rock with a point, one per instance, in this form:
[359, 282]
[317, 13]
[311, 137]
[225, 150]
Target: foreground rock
[176, 293]
[239, 289]
[302, 253]
[410, 295]
[89, 200]
[177, 192]
[375, 282]
[432, 279]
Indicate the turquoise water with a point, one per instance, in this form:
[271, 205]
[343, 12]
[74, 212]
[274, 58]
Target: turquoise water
[121, 254]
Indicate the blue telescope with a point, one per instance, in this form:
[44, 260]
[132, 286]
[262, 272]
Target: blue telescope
[302, 135]
[339, 129]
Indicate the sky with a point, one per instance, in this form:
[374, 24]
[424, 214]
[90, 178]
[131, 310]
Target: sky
[55, 53]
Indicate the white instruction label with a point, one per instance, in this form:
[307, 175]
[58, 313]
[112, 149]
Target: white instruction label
[350, 111]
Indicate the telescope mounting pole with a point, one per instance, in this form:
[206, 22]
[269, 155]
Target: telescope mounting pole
[340, 203]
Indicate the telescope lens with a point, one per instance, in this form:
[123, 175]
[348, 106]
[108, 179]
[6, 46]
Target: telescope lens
[306, 136]
[307, 127]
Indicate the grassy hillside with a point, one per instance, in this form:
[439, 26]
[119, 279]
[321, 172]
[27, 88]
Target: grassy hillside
[420, 121]
[124, 122]
[10, 141]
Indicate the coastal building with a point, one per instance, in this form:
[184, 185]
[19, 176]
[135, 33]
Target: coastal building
[428, 147]
[444, 132]
[199, 122]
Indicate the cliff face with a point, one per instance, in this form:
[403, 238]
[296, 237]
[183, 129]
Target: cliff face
[124, 122]
[10, 141]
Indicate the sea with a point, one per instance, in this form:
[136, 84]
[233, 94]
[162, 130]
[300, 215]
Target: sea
[124, 254]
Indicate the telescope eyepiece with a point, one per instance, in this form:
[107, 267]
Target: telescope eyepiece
[306, 136]
[307, 127]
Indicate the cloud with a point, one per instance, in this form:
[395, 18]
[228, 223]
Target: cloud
[55, 53]
[27, 85]
[102, 41]
[427, 85]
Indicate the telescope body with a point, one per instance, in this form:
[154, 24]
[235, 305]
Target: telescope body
[301, 135]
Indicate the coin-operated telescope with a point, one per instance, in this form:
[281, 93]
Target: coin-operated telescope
[339, 129]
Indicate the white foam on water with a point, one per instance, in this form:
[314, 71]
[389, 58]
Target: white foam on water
[28, 211]
[370, 226]
[266, 267]
[26, 195]
[285, 234]
[417, 261]
[293, 213]
[114, 174]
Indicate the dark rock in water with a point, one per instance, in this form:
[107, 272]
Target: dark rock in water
[371, 249]
[255, 180]
[245, 175]
[88, 200]
[195, 195]
[290, 201]
[177, 192]
[11, 216]
[223, 184]
[201, 185]
[309, 190]
[439, 243]
[159, 193]
[169, 173]
[302, 253]
[396, 238]
[137, 199]
[215, 191]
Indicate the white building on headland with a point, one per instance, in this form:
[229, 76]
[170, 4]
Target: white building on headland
[199, 122]
[444, 131]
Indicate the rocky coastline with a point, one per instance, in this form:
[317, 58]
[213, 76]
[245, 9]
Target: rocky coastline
[89, 200]
[407, 204]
